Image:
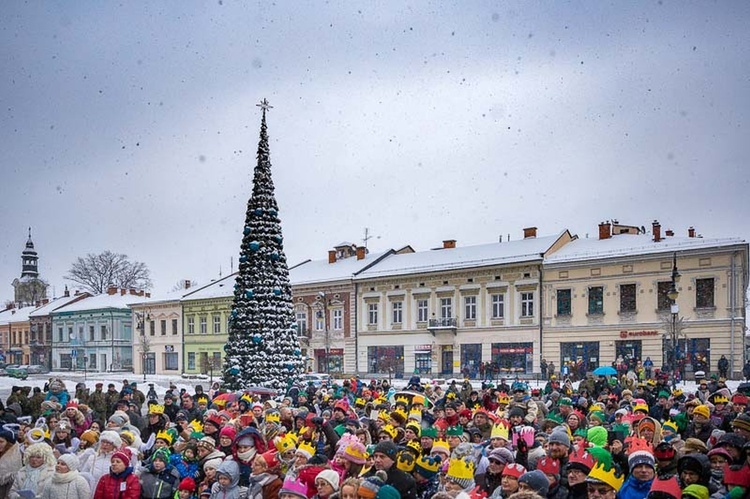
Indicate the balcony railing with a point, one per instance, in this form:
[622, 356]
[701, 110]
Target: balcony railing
[442, 324]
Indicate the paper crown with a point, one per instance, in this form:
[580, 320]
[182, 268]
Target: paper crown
[156, 409]
[415, 413]
[273, 417]
[441, 446]
[428, 464]
[606, 475]
[401, 399]
[636, 444]
[455, 431]
[166, 436]
[406, 461]
[669, 486]
[381, 400]
[500, 430]
[306, 449]
[417, 400]
[356, 453]
[196, 426]
[360, 402]
[503, 398]
[430, 432]
[670, 425]
[414, 427]
[414, 446]
[718, 398]
[582, 458]
[461, 468]
[399, 415]
[286, 442]
[548, 466]
[390, 430]
[554, 418]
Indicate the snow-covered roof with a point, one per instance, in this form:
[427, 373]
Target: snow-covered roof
[461, 257]
[161, 298]
[102, 301]
[16, 315]
[222, 288]
[53, 305]
[624, 245]
[314, 271]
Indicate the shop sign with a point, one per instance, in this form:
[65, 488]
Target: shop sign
[625, 334]
[331, 351]
[169, 348]
[422, 348]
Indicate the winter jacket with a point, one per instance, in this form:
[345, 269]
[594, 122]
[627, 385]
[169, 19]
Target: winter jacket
[402, 481]
[264, 486]
[70, 485]
[10, 463]
[159, 484]
[40, 480]
[429, 488]
[95, 463]
[233, 490]
[123, 485]
[488, 482]
[578, 491]
[634, 489]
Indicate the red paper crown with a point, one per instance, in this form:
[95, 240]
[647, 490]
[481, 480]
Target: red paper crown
[636, 444]
[582, 457]
[668, 486]
[549, 466]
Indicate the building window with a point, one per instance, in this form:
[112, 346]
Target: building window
[498, 306]
[422, 311]
[627, 298]
[372, 314]
[191, 325]
[216, 360]
[470, 308]
[338, 319]
[217, 324]
[527, 304]
[319, 320]
[302, 323]
[174, 326]
[204, 325]
[398, 311]
[191, 361]
[446, 308]
[385, 360]
[662, 296]
[70, 334]
[91, 333]
[171, 361]
[92, 361]
[596, 300]
[704, 293]
[563, 302]
[163, 327]
[511, 358]
[103, 332]
[152, 327]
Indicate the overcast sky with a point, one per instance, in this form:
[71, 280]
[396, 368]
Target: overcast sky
[133, 126]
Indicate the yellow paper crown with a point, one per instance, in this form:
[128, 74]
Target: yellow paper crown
[306, 447]
[381, 400]
[417, 400]
[273, 417]
[608, 476]
[429, 463]
[415, 413]
[156, 409]
[414, 446]
[285, 442]
[400, 412]
[196, 425]
[390, 430]
[442, 446]
[406, 461]
[401, 399]
[499, 430]
[462, 469]
[356, 451]
[503, 398]
[360, 402]
[167, 437]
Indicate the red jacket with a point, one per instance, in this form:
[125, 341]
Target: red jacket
[110, 486]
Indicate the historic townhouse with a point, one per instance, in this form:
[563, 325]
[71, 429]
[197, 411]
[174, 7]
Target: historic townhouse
[96, 333]
[454, 310]
[606, 300]
[14, 331]
[157, 342]
[324, 301]
[205, 323]
[40, 321]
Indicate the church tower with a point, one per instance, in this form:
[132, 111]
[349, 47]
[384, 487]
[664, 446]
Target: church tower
[29, 289]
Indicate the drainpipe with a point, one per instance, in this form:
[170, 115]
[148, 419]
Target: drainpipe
[732, 304]
[356, 330]
[541, 313]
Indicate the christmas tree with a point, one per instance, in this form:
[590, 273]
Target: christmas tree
[262, 348]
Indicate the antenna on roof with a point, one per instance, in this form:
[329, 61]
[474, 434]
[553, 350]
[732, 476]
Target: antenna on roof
[500, 238]
[368, 236]
[231, 264]
[219, 271]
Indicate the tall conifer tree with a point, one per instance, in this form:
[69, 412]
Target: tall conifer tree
[262, 348]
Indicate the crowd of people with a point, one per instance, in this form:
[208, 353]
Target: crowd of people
[608, 437]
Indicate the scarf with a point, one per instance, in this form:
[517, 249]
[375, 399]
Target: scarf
[256, 484]
[247, 455]
[32, 477]
[65, 477]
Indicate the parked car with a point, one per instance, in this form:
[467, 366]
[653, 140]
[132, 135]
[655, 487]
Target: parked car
[16, 372]
[37, 369]
[317, 380]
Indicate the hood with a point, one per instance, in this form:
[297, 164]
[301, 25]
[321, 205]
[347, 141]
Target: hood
[231, 469]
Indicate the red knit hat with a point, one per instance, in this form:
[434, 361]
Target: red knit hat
[228, 431]
[123, 455]
[514, 470]
[188, 484]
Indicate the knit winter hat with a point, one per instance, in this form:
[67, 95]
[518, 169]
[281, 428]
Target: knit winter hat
[537, 480]
[212, 464]
[119, 418]
[329, 476]
[702, 410]
[71, 461]
[161, 453]
[228, 431]
[370, 486]
[388, 448]
[294, 487]
[695, 491]
[514, 470]
[501, 454]
[597, 436]
[742, 421]
[388, 492]
[188, 484]
[560, 435]
[90, 436]
[122, 456]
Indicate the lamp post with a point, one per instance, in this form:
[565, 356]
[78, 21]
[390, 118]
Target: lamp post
[324, 313]
[142, 318]
[675, 309]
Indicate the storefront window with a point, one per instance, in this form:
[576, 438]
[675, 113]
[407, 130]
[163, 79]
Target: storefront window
[423, 362]
[386, 360]
[471, 359]
[695, 352]
[578, 358]
[628, 353]
[512, 358]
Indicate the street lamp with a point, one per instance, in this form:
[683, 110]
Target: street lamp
[142, 318]
[675, 309]
[324, 315]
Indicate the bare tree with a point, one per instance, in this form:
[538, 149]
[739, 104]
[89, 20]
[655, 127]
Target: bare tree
[184, 284]
[98, 272]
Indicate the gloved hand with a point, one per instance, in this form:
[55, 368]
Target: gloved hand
[148, 444]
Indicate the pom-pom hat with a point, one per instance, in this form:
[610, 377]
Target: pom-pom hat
[514, 470]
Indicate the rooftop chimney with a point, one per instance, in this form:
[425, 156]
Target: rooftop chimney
[148, 295]
[449, 243]
[605, 230]
[656, 231]
[187, 283]
[669, 233]
[331, 256]
[111, 290]
[123, 292]
[529, 232]
[361, 252]
[691, 231]
[66, 294]
[45, 301]
[132, 292]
